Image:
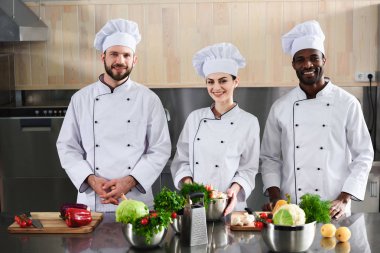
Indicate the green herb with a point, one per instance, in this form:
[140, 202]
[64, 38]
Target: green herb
[168, 201]
[156, 221]
[315, 209]
[195, 187]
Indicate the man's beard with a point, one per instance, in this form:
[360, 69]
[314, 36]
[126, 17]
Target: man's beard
[318, 73]
[117, 77]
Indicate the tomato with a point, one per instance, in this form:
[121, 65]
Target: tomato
[259, 224]
[263, 216]
[174, 215]
[144, 221]
[153, 215]
[269, 220]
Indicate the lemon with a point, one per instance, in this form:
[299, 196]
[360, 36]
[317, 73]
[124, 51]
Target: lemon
[283, 217]
[343, 234]
[328, 230]
[328, 243]
[343, 247]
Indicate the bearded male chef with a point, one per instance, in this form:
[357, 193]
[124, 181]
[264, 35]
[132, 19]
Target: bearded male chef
[219, 145]
[315, 139]
[114, 139]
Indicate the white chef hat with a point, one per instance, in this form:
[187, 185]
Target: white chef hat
[305, 35]
[221, 57]
[119, 32]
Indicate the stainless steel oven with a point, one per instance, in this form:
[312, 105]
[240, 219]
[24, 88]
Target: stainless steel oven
[31, 177]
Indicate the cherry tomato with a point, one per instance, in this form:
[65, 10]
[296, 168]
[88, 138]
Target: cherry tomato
[259, 224]
[174, 215]
[23, 224]
[269, 220]
[144, 221]
[153, 215]
[263, 216]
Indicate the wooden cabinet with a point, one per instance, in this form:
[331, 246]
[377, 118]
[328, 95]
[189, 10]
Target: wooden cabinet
[173, 30]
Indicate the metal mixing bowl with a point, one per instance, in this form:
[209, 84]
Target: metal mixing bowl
[177, 224]
[139, 241]
[288, 238]
[215, 209]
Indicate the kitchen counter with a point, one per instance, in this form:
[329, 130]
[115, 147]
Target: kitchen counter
[108, 237]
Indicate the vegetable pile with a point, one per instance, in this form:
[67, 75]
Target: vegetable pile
[148, 223]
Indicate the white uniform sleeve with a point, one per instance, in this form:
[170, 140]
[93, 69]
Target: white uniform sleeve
[249, 163]
[158, 148]
[70, 151]
[270, 155]
[360, 145]
[180, 166]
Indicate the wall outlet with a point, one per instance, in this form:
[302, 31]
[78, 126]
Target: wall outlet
[363, 76]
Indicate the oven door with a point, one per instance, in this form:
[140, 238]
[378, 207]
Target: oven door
[31, 177]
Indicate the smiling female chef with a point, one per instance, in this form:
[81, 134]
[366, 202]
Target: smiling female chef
[315, 139]
[219, 145]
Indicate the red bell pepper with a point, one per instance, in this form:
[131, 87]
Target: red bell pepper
[65, 206]
[76, 217]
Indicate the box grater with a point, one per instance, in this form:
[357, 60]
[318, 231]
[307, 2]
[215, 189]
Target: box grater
[194, 226]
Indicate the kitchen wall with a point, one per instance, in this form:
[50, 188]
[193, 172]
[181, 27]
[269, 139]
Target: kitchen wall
[173, 30]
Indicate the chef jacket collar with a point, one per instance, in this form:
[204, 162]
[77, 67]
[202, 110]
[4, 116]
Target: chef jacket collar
[229, 114]
[324, 92]
[104, 88]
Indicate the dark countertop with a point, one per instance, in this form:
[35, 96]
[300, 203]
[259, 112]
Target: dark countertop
[107, 237]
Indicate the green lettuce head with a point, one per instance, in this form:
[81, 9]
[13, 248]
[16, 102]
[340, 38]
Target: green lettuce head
[130, 210]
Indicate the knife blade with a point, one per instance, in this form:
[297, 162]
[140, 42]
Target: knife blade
[35, 222]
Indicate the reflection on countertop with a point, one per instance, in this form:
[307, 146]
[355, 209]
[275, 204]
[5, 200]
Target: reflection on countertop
[108, 237]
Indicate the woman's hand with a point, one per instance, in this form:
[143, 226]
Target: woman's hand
[187, 180]
[232, 198]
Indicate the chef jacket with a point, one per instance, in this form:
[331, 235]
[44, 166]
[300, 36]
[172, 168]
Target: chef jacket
[320, 146]
[219, 152]
[113, 134]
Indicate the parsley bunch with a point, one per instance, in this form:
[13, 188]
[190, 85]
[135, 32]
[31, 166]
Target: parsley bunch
[168, 201]
[195, 187]
[315, 209]
[151, 224]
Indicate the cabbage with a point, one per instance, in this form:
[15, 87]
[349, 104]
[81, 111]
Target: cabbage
[289, 215]
[130, 210]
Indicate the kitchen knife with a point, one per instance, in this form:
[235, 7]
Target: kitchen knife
[35, 222]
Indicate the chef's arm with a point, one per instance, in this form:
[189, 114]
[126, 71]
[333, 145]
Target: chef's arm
[249, 162]
[180, 167]
[157, 151]
[71, 152]
[271, 161]
[360, 146]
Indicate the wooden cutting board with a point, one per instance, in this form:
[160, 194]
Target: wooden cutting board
[53, 224]
[249, 227]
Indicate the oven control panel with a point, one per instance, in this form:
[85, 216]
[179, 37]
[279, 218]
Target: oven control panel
[33, 112]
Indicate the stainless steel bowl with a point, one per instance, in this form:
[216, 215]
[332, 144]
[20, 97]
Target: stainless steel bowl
[289, 238]
[177, 224]
[215, 209]
[139, 241]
